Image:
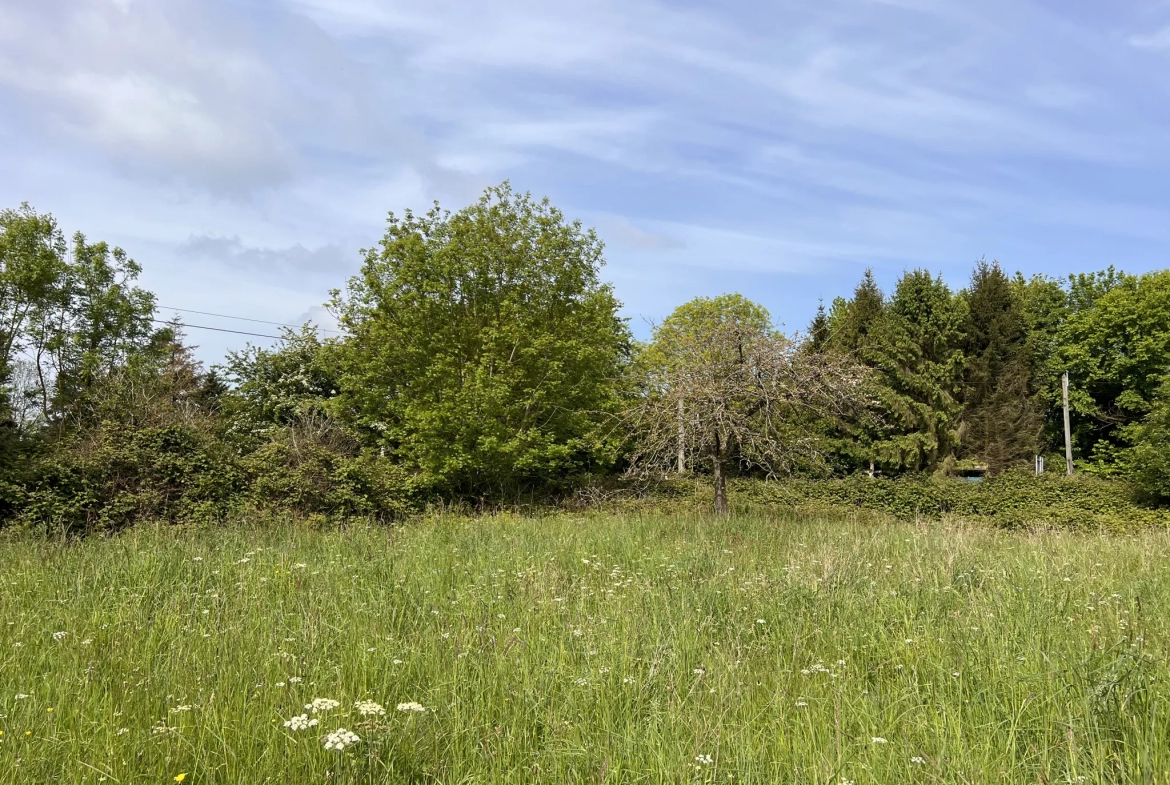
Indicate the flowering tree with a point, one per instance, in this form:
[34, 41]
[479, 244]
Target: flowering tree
[721, 385]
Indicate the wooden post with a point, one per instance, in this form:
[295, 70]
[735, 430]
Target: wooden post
[1067, 428]
[682, 439]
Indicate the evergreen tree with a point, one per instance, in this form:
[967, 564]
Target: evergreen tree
[818, 330]
[1001, 421]
[852, 321]
[917, 348]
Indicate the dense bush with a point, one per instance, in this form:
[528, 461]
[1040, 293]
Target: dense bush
[117, 475]
[1010, 500]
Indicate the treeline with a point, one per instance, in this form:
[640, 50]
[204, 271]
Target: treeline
[483, 358]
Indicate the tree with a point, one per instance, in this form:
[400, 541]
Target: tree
[32, 269]
[1115, 345]
[852, 321]
[1149, 459]
[721, 379]
[818, 330]
[1001, 419]
[280, 386]
[483, 348]
[917, 348]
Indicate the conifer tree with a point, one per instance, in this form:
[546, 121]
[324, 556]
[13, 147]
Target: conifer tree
[852, 321]
[917, 348]
[818, 330]
[1001, 419]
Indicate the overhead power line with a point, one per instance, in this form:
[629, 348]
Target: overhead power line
[243, 319]
[217, 329]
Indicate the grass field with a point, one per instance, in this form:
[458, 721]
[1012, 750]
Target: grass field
[587, 649]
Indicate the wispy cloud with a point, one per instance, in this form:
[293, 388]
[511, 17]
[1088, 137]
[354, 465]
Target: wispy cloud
[778, 147]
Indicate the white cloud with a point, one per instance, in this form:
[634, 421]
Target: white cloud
[1159, 39]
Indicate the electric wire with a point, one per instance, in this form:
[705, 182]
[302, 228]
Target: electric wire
[217, 329]
[242, 318]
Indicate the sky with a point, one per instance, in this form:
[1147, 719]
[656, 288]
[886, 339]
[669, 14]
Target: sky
[243, 151]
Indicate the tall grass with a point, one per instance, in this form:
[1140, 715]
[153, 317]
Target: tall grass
[588, 649]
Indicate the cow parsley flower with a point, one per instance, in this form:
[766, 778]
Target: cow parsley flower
[879, 740]
[322, 704]
[369, 708]
[706, 760]
[412, 706]
[340, 739]
[300, 722]
[57, 636]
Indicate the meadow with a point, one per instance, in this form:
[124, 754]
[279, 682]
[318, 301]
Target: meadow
[755, 648]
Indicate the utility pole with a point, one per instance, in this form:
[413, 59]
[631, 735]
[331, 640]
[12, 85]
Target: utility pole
[682, 439]
[1067, 428]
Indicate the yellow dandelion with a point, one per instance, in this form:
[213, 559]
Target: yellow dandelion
[49, 709]
[180, 776]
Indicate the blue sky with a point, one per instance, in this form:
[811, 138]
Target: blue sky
[243, 151]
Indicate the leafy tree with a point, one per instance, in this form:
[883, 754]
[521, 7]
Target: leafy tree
[280, 386]
[917, 348]
[719, 380]
[1001, 420]
[1149, 459]
[32, 268]
[1115, 344]
[483, 347]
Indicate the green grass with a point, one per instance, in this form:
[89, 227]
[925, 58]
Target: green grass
[589, 649]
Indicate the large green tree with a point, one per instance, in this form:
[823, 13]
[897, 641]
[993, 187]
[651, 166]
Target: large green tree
[1115, 345]
[916, 346]
[483, 348]
[1001, 418]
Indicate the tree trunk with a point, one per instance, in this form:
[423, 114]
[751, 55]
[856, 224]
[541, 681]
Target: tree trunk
[682, 439]
[720, 479]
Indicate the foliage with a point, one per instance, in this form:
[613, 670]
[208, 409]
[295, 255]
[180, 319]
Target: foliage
[483, 349]
[1115, 344]
[916, 346]
[1149, 459]
[1010, 500]
[32, 252]
[720, 382]
[312, 468]
[279, 387]
[1001, 420]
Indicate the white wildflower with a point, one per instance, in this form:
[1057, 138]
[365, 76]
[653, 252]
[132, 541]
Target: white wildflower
[57, 636]
[918, 759]
[301, 722]
[878, 740]
[322, 704]
[760, 621]
[294, 679]
[369, 708]
[706, 760]
[801, 703]
[179, 709]
[340, 739]
[411, 706]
